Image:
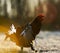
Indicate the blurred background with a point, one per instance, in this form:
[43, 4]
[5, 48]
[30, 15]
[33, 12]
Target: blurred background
[20, 12]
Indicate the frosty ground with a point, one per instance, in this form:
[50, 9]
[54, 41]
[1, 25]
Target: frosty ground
[45, 42]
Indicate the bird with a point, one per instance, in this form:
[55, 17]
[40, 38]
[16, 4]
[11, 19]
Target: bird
[25, 35]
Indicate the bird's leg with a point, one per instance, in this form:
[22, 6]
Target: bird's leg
[33, 48]
[21, 49]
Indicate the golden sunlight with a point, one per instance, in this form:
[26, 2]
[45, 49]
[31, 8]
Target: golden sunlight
[3, 29]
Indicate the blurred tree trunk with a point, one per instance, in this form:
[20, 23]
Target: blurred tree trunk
[5, 8]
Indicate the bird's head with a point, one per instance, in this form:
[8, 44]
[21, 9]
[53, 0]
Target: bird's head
[40, 17]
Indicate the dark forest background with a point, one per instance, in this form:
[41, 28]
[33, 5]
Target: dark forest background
[21, 12]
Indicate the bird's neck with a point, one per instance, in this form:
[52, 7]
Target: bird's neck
[36, 26]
